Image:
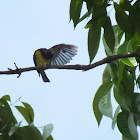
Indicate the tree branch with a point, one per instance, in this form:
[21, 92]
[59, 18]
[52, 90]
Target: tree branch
[108, 59]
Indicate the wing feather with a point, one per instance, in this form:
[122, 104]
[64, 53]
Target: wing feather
[59, 60]
[62, 53]
[65, 58]
[62, 59]
[56, 60]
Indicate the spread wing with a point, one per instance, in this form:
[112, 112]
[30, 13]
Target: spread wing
[62, 53]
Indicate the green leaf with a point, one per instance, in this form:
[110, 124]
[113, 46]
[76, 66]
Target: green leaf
[29, 110]
[113, 70]
[99, 9]
[99, 94]
[47, 130]
[123, 19]
[27, 133]
[124, 138]
[135, 20]
[88, 25]
[137, 119]
[125, 4]
[105, 106]
[6, 116]
[6, 97]
[5, 119]
[136, 103]
[1, 138]
[118, 35]
[109, 34]
[138, 81]
[132, 126]
[121, 70]
[93, 39]
[122, 100]
[24, 113]
[122, 123]
[106, 76]
[50, 138]
[75, 10]
[127, 48]
[134, 44]
[128, 80]
[123, 48]
[89, 4]
[126, 88]
[115, 117]
[132, 62]
[107, 49]
[13, 129]
[86, 15]
[72, 8]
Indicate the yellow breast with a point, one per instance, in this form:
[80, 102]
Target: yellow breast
[40, 60]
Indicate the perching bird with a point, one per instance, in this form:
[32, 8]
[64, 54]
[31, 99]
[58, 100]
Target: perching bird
[57, 55]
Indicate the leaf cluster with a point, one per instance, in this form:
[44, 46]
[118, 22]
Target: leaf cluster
[11, 129]
[120, 77]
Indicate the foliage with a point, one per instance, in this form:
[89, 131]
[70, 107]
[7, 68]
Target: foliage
[120, 76]
[10, 129]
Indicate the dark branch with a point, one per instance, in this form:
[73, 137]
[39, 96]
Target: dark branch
[108, 59]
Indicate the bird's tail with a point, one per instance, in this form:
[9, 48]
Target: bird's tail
[44, 76]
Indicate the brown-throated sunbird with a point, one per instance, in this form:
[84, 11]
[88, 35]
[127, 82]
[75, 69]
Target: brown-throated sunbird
[57, 55]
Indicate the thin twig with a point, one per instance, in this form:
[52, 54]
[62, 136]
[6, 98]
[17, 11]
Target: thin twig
[108, 59]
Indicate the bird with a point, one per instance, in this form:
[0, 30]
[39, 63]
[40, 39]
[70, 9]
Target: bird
[60, 54]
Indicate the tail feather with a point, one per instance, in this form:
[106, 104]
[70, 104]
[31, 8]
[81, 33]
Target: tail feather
[44, 76]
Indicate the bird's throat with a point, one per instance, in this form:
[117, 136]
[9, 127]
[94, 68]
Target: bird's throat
[40, 60]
